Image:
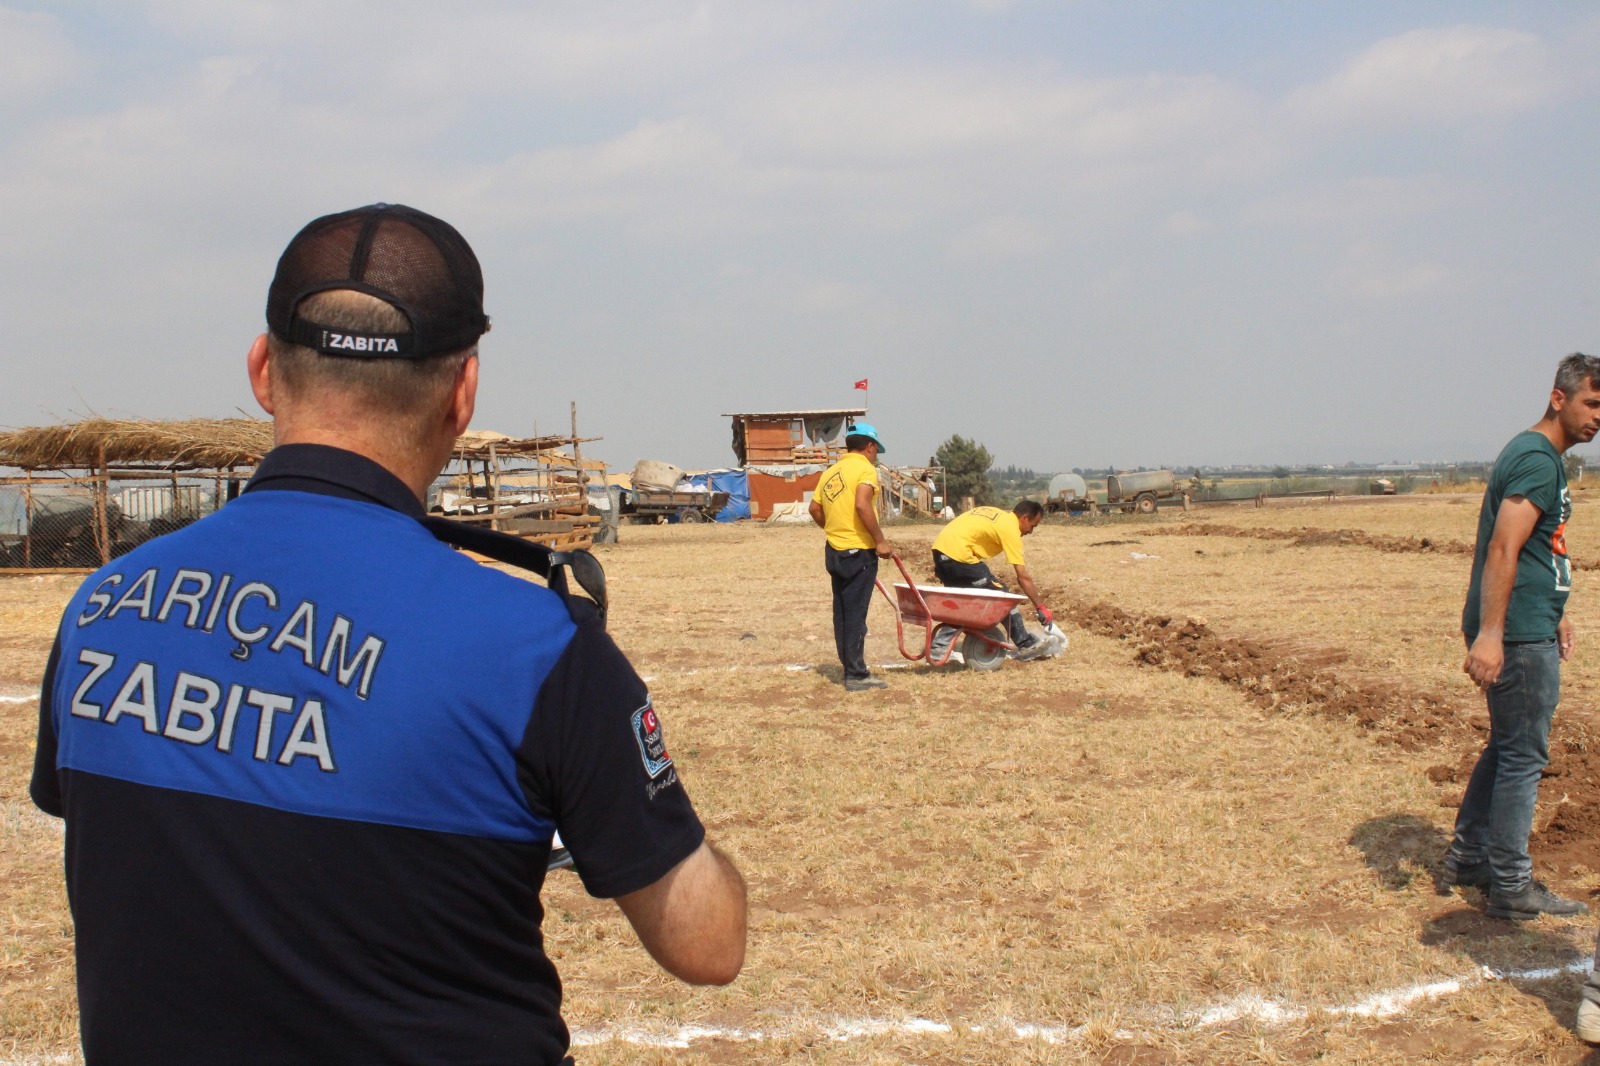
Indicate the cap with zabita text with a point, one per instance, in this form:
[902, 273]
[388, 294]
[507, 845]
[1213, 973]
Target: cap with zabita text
[418, 264]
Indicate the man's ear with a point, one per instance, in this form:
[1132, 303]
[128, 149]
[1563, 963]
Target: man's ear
[463, 397]
[259, 366]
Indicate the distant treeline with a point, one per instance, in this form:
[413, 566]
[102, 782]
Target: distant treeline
[1014, 482]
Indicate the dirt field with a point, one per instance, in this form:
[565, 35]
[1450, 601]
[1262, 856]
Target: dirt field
[1207, 833]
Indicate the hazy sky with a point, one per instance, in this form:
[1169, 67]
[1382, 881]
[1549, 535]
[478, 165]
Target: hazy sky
[1085, 234]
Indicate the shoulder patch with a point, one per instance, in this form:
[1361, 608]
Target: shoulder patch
[652, 745]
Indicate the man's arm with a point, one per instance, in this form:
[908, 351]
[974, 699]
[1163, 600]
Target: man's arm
[1513, 525]
[816, 513]
[1564, 637]
[869, 518]
[1029, 589]
[692, 920]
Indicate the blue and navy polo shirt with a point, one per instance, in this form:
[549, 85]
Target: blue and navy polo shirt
[310, 761]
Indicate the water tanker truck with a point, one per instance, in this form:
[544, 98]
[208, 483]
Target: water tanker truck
[1141, 490]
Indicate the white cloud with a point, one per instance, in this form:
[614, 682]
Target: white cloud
[1368, 271]
[1436, 75]
[1185, 224]
[408, 50]
[35, 55]
[907, 113]
[1364, 200]
[828, 296]
[998, 239]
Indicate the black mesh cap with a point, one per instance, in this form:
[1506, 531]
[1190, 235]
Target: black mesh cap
[411, 260]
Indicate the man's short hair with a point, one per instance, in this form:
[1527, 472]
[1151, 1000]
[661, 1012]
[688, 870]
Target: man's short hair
[1576, 371]
[1028, 509]
[856, 442]
[402, 388]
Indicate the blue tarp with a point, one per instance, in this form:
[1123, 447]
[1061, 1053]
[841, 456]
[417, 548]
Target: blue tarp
[735, 484]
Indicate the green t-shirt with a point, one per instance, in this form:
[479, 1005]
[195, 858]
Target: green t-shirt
[1529, 467]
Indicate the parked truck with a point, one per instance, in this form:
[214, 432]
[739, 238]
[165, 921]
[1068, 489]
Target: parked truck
[1142, 491]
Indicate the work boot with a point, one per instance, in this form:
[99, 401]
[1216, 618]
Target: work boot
[1588, 1027]
[1531, 901]
[862, 684]
[1034, 649]
[1466, 874]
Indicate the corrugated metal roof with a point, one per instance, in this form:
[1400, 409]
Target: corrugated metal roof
[827, 411]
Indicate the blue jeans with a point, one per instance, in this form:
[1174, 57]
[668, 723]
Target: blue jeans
[1496, 813]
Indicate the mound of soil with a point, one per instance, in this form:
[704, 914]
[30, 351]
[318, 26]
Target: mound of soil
[1290, 676]
[1308, 537]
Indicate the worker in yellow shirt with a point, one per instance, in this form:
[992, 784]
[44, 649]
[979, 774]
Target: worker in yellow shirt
[844, 506]
[959, 552]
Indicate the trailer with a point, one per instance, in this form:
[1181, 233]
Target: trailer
[1142, 491]
[1069, 493]
[660, 505]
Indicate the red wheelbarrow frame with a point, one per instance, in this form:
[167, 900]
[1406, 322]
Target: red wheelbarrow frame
[971, 611]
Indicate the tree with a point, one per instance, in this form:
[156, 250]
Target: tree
[1574, 466]
[966, 470]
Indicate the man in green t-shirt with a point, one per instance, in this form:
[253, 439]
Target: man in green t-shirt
[1517, 635]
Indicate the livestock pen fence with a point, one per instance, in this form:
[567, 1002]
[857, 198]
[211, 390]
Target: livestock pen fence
[65, 522]
[76, 496]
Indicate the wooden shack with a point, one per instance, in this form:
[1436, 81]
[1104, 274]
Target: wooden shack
[85, 492]
[784, 453]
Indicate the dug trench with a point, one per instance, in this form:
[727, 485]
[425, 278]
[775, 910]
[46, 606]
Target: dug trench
[1308, 537]
[1285, 676]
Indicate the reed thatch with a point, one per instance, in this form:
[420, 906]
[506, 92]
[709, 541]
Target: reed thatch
[196, 444]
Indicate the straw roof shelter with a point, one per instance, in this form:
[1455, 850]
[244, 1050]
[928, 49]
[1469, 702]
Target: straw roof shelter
[198, 444]
[98, 457]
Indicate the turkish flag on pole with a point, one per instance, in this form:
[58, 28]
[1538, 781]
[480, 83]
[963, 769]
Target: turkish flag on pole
[862, 384]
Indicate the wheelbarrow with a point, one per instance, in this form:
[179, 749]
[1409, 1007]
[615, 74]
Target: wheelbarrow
[976, 613]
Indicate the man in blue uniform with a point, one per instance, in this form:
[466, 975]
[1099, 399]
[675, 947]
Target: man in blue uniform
[1517, 635]
[311, 759]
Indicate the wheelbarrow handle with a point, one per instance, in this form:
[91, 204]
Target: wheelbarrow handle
[899, 623]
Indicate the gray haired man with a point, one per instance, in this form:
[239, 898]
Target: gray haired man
[1517, 635]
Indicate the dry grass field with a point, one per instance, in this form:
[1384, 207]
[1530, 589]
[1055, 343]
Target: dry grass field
[1207, 833]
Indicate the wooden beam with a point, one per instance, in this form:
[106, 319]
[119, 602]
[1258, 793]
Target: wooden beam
[27, 571]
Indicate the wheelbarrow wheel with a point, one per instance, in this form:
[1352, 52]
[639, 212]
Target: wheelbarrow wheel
[980, 654]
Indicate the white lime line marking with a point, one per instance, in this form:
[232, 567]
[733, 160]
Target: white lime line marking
[1254, 1007]
[1272, 1012]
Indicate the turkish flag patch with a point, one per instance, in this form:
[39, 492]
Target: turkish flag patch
[652, 745]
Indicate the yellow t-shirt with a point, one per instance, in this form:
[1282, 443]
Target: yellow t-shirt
[836, 491]
[981, 533]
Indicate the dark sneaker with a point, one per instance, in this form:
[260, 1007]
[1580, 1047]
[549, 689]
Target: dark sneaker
[862, 684]
[1532, 901]
[1466, 874]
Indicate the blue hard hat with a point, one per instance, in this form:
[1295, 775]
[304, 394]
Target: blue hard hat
[868, 430]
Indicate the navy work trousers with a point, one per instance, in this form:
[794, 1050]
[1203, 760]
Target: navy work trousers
[979, 576]
[853, 573]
